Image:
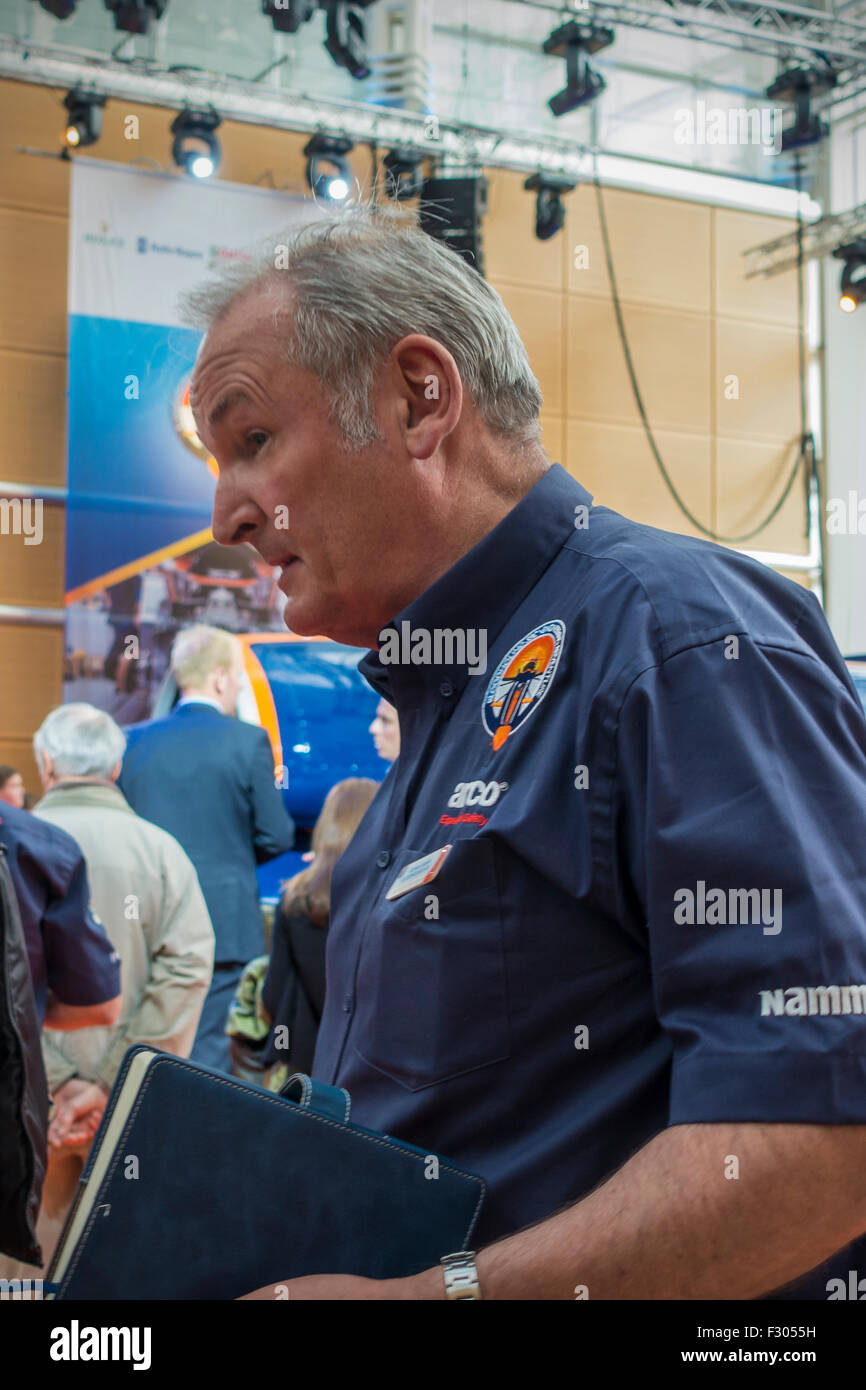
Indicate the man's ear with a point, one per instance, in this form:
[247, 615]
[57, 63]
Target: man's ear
[430, 392]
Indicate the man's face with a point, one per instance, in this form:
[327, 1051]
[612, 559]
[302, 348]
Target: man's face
[327, 517]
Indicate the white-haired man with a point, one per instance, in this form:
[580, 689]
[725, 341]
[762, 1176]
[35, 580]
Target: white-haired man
[515, 976]
[145, 890]
[208, 779]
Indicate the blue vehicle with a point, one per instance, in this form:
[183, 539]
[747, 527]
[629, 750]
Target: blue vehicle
[316, 708]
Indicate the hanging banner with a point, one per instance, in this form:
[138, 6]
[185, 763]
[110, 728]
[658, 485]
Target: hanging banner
[140, 558]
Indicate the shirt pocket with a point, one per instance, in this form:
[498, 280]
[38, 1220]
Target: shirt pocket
[431, 990]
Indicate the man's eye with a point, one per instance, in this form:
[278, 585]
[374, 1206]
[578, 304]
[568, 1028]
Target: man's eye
[255, 440]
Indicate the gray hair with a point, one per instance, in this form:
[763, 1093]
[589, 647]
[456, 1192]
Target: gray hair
[199, 650]
[360, 281]
[81, 740]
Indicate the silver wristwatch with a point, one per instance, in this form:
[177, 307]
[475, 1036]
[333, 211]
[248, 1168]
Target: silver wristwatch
[461, 1276]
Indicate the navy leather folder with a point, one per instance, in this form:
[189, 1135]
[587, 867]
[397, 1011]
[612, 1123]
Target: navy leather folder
[199, 1186]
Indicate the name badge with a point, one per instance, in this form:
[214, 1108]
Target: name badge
[420, 871]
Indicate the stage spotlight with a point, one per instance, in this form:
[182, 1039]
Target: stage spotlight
[573, 41]
[328, 172]
[134, 16]
[84, 123]
[852, 286]
[798, 87]
[288, 17]
[195, 147]
[60, 9]
[549, 212]
[403, 178]
[344, 30]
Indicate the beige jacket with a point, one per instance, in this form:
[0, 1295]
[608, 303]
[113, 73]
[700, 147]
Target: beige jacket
[145, 890]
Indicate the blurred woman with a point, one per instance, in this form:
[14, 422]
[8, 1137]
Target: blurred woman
[294, 989]
[11, 786]
[385, 730]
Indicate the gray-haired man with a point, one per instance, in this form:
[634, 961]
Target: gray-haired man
[508, 981]
[145, 890]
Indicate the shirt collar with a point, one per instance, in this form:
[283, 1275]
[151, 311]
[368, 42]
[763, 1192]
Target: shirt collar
[102, 793]
[199, 700]
[482, 590]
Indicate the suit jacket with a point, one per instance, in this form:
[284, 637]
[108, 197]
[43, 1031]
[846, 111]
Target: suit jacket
[146, 893]
[208, 779]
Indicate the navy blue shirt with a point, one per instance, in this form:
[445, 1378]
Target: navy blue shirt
[653, 908]
[68, 949]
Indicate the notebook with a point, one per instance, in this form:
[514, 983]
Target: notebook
[199, 1186]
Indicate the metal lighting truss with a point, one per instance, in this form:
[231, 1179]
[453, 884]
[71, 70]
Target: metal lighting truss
[787, 32]
[820, 238]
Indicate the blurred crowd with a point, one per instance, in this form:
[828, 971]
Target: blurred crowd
[134, 879]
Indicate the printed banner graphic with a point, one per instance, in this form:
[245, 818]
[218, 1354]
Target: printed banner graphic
[140, 558]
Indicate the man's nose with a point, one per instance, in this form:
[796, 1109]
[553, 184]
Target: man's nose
[236, 517]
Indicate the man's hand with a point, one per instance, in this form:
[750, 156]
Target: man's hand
[336, 1288]
[78, 1107]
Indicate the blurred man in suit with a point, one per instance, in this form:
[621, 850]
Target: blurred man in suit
[208, 779]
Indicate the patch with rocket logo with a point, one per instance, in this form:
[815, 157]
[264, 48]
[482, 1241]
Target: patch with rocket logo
[521, 680]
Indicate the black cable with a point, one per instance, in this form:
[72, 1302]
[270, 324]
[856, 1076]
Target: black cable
[801, 451]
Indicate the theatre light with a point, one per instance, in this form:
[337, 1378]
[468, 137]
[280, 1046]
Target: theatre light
[134, 16]
[573, 41]
[852, 286]
[328, 172]
[287, 16]
[344, 35]
[195, 147]
[84, 121]
[61, 9]
[549, 212]
[403, 177]
[798, 87]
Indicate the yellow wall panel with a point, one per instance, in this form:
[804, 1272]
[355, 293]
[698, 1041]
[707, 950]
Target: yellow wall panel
[763, 358]
[32, 116]
[33, 574]
[538, 315]
[615, 464]
[33, 418]
[750, 479]
[660, 248]
[31, 675]
[33, 248]
[770, 301]
[553, 437]
[671, 355]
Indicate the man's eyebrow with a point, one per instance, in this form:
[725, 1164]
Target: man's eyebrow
[224, 404]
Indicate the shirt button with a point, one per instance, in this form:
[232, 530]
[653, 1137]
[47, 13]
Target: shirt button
[383, 859]
[348, 1001]
[446, 689]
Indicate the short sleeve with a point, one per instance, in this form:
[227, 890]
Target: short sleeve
[741, 814]
[82, 966]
